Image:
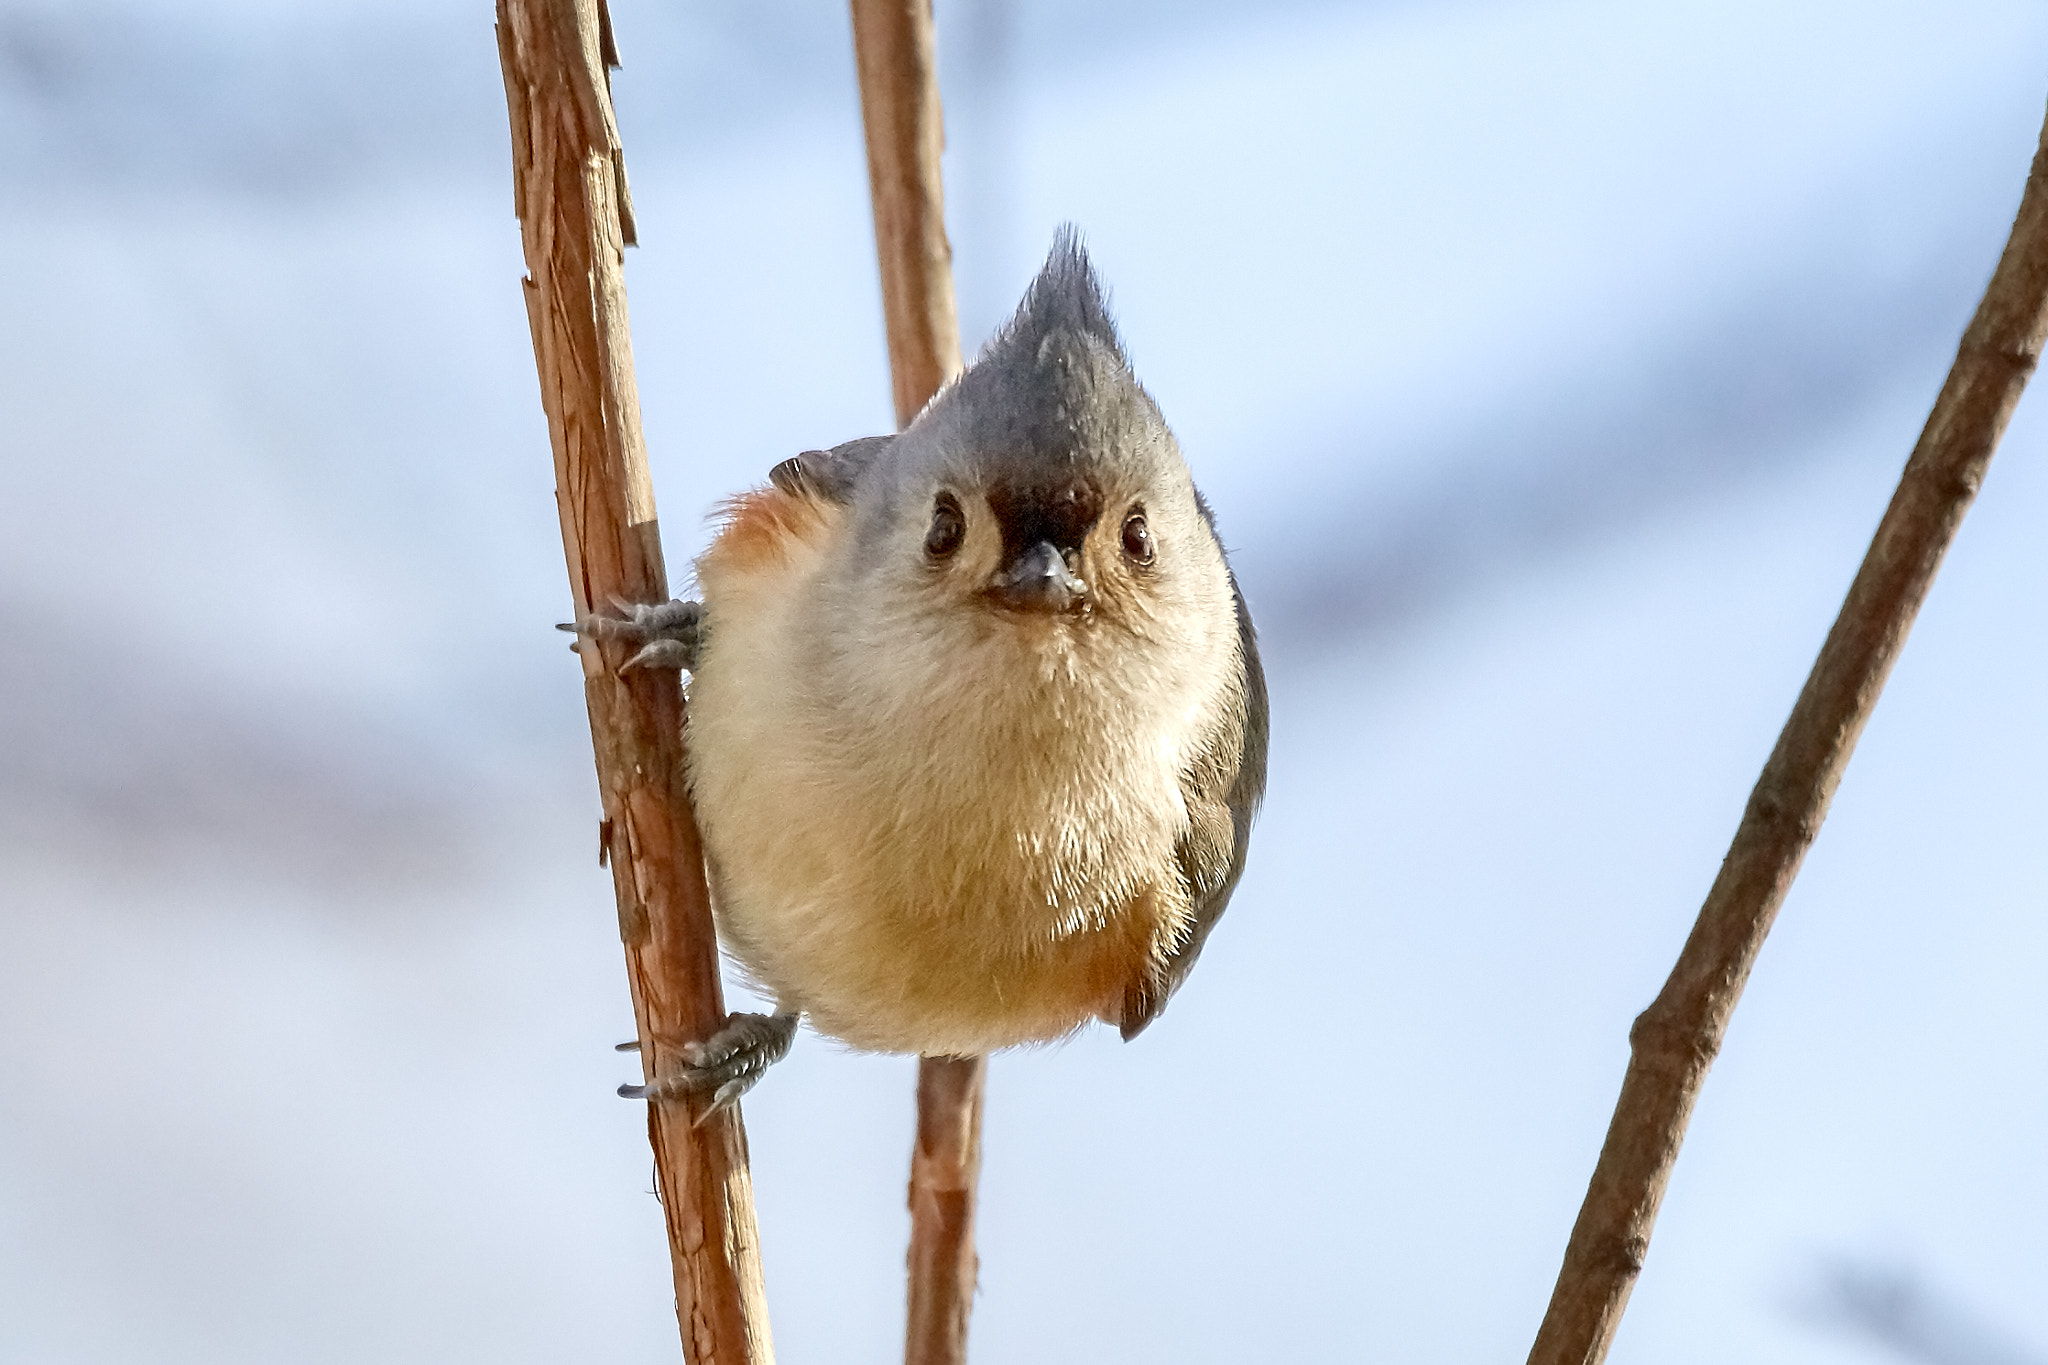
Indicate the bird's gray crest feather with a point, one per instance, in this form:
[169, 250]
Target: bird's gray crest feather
[1066, 296]
[1021, 393]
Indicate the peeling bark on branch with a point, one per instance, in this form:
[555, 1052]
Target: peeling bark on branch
[575, 218]
[1675, 1041]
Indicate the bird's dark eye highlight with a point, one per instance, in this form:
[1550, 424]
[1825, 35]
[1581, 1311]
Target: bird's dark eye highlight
[1137, 539]
[948, 528]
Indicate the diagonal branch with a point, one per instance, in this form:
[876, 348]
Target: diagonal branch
[896, 54]
[1674, 1041]
[575, 220]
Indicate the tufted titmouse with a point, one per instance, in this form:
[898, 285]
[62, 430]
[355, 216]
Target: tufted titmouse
[977, 725]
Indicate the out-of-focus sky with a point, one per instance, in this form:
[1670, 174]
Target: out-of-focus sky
[1548, 362]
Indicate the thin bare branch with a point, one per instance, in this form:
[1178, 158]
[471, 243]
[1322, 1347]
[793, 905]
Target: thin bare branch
[568, 174]
[943, 1172]
[897, 56]
[1675, 1041]
[894, 48]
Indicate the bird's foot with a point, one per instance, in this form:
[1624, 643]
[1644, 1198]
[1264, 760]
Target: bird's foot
[668, 633]
[726, 1065]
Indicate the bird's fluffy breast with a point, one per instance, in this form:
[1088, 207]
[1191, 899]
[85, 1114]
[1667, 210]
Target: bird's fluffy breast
[936, 832]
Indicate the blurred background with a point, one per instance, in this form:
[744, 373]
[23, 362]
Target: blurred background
[1549, 363]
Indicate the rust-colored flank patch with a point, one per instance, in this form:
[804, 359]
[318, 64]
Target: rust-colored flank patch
[763, 525]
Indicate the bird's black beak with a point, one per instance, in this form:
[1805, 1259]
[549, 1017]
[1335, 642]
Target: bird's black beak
[1039, 580]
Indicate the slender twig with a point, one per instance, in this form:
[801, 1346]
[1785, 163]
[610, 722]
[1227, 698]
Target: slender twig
[894, 48]
[896, 54]
[1674, 1041]
[575, 220]
[943, 1171]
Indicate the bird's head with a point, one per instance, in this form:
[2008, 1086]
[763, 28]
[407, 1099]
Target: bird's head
[1042, 489]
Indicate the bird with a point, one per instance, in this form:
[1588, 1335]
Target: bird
[977, 726]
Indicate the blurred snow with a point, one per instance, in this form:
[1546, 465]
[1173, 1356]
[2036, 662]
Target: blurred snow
[1549, 362]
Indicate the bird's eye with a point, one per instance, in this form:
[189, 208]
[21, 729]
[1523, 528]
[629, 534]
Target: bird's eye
[1137, 539]
[948, 528]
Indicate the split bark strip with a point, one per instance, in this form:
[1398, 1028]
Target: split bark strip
[897, 57]
[575, 221]
[1674, 1041]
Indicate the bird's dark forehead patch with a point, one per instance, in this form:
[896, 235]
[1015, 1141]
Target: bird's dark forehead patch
[1061, 511]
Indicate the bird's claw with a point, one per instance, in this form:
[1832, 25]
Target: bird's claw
[726, 1065]
[667, 632]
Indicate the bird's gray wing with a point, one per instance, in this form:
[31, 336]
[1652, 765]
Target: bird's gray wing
[1222, 789]
[829, 474]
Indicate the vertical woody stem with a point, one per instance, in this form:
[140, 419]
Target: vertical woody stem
[575, 220]
[896, 54]
[894, 48]
[1674, 1041]
[943, 1171]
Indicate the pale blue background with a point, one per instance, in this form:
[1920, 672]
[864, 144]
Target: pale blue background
[1548, 361]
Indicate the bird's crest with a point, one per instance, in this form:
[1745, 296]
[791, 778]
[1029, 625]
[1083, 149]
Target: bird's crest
[1066, 296]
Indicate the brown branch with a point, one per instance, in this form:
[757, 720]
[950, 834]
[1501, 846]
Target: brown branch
[1674, 1041]
[897, 56]
[569, 187]
[943, 1171]
[895, 51]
